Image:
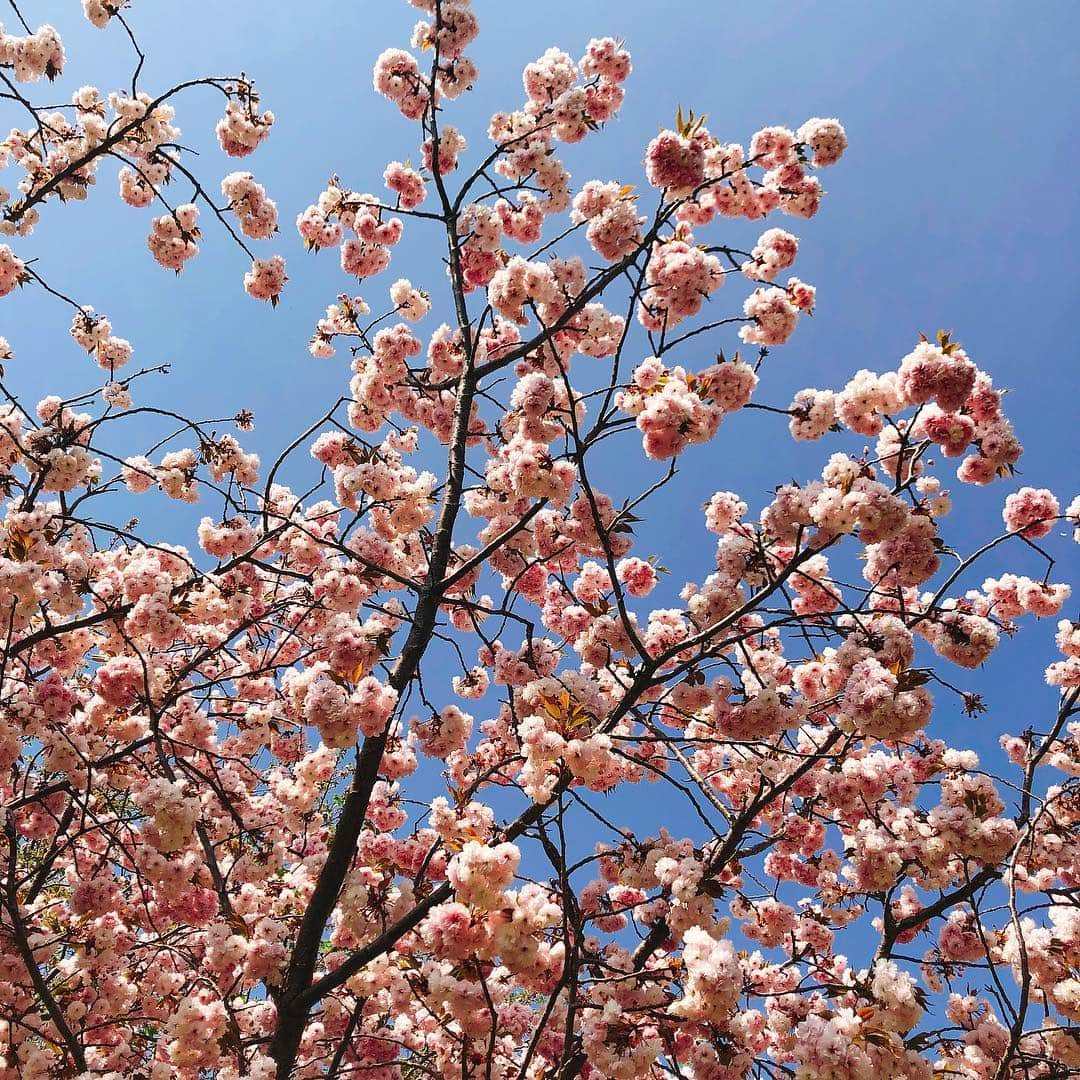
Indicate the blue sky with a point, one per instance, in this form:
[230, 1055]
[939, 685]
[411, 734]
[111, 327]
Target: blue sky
[955, 207]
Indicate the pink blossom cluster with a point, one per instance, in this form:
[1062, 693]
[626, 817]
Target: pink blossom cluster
[248, 200]
[266, 278]
[397, 77]
[367, 252]
[1031, 512]
[341, 319]
[519, 283]
[243, 128]
[680, 276]
[481, 874]
[100, 12]
[451, 145]
[412, 303]
[675, 410]
[564, 103]
[32, 55]
[775, 251]
[172, 237]
[61, 154]
[958, 410]
[93, 332]
[825, 139]
[450, 34]
[675, 161]
[249, 831]
[12, 270]
[813, 413]
[1066, 672]
[406, 183]
[706, 177]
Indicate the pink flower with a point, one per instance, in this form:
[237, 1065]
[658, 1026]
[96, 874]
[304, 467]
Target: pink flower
[397, 77]
[1031, 512]
[243, 128]
[774, 317]
[774, 251]
[266, 279]
[676, 163]
[639, 577]
[480, 874]
[825, 138]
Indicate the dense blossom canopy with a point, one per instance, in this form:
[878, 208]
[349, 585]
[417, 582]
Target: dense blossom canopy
[333, 785]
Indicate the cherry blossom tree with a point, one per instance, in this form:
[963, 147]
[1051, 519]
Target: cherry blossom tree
[339, 784]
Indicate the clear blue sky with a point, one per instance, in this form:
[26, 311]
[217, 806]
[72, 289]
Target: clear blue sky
[955, 207]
